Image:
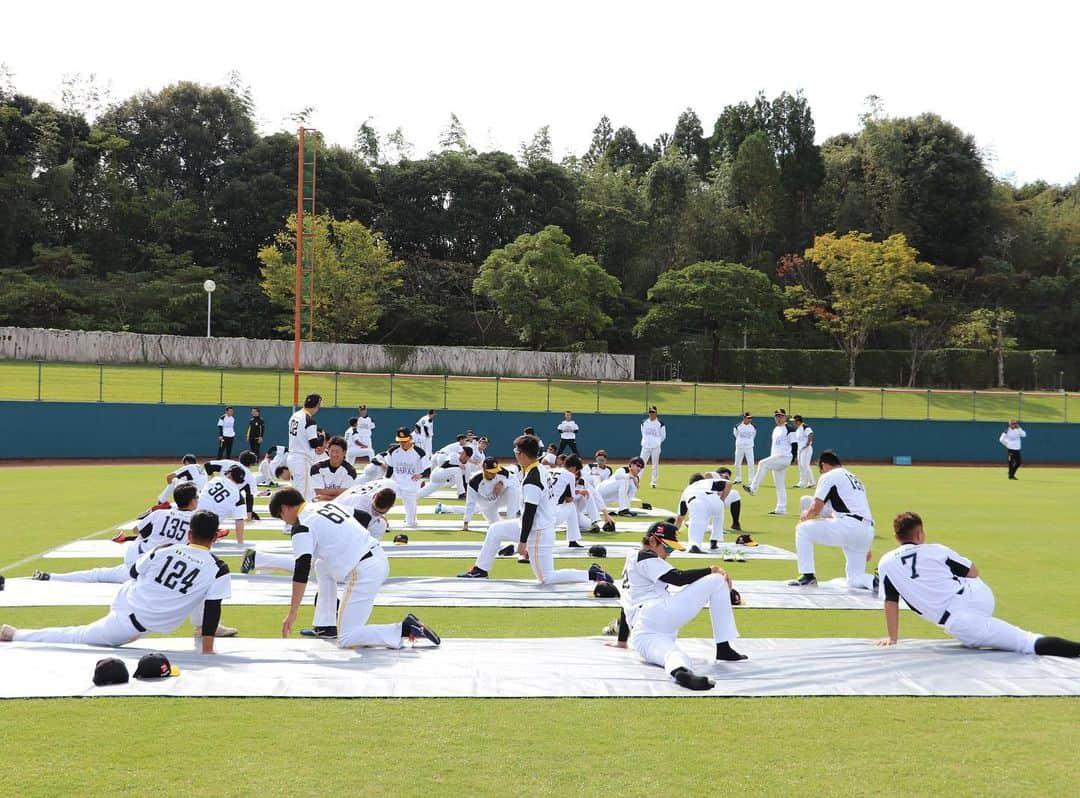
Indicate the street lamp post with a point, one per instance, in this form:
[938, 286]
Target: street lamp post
[208, 287]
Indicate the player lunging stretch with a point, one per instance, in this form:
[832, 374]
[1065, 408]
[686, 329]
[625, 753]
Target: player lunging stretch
[945, 589]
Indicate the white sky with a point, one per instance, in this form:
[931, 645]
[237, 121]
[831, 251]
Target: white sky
[1005, 72]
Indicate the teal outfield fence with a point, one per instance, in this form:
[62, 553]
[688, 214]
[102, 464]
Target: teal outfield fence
[118, 430]
[68, 382]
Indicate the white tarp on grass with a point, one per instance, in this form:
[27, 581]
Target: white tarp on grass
[547, 667]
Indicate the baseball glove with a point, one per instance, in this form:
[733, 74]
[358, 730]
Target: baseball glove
[736, 599]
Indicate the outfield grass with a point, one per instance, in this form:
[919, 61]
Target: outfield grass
[19, 380]
[836, 746]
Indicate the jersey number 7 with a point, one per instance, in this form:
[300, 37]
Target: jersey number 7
[914, 556]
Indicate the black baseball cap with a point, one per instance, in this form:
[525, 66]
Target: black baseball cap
[402, 435]
[110, 671]
[155, 665]
[491, 465]
[666, 532]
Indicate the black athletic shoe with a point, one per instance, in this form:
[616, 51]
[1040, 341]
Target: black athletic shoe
[575, 545]
[414, 629]
[255, 516]
[474, 573]
[598, 574]
[877, 583]
[507, 551]
[646, 505]
[461, 497]
[725, 653]
[691, 681]
[1056, 647]
[41, 576]
[696, 550]
[320, 631]
[736, 527]
[625, 513]
[714, 545]
[806, 580]
[247, 565]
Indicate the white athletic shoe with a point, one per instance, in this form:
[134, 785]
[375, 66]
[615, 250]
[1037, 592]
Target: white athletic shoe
[728, 555]
[739, 556]
[7, 633]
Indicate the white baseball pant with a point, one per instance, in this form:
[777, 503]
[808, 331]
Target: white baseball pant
[117, 574]
[300, 468]
[777, 464]
[361, 586]
[853, 536]
[651, 455]
[443, 478]
[568, 514]
[743, 454]
[541, 552]
[656, 626]
[705, 510]
[407, 489]
[618, 492]
[806, 473]
[972, 622]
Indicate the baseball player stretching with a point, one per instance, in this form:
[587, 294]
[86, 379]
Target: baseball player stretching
[744, 433]
[946, 589]
[651, 616]
[303, 441]
[534, 532]
[838, 514]
[653, 435]
[167, 585]
[407, 465]
[804, 440]
[777, 462]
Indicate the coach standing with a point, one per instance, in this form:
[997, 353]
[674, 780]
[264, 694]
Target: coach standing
[256, 430]
[1011, 439]
[226, 430]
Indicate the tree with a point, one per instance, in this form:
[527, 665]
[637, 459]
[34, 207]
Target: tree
[690, 139]
[755, 183]
[626, 151]
[355, 274]
[984, 328]
[709, 297]
[454, 137]
[539, 149]
[601, 139]
[552, 296]
[867, 285]
[366, 143]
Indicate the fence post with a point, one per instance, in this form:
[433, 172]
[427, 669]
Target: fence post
[1019, 405]
[742, 399]
[927, 404]
[445, 379]
[391, 389]
[646, 396]
[1066, 408]
[100, 381]
[221, 387]
[161, 398]
[496, 391]
[973, 405]
[337, 376]
[835, 402]
[883, 404]
[789, 398]
[279, 388]
[598, 396]
[549, 394]
[39, 380]
[693, 412]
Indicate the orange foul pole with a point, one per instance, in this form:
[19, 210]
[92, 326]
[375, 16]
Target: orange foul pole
[299, 265]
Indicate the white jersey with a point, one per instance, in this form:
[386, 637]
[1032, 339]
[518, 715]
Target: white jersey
[364, 427]
[268, 467]
[162, 527]
[332, 535]
[302, 434]
[224, 465]
[357, 444]
[169, 583]
[359, 499]
[744, 436]
[324, 476]
[401, 464]
[926, 576]
[641, 579]
[781, 441]
[227, 426]
[189, 472]
[485, 488]
[844, 494]
[543, 489]
[568, 430]
[223, 496]
[695, 490]
[653, 433]
[548, 459]
[802, 435]
[600, 472]
[424, 430]
[1011, 438]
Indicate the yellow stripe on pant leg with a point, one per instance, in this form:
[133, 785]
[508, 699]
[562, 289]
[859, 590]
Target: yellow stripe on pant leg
[353, 576]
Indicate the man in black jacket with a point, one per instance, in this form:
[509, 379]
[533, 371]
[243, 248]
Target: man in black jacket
[255, 431]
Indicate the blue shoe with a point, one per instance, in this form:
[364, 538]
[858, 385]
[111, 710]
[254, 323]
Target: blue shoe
[438, 508]
[413, 629]
[474, 573]
[329, 632]
[598, 574]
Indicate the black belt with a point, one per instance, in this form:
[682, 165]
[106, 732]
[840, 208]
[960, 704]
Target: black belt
[947, 615]
[367, 556]
[858, 517]
[135, 622]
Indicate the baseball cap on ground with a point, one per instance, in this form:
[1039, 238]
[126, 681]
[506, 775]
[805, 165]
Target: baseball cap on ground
[155, 665]
[110, 671]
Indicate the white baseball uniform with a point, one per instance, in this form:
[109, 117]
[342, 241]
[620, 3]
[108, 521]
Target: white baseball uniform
[777, 464]
[933, 581]
[401, 466]
[303, 433]
[846, 522]
[423, 434]
[703, 503]
[804, 441]
[744, 434]
[223, 496]
[185, 472]
[653, 434]
[486, 495]
[620, 488]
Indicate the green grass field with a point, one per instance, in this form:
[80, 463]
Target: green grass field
[90, 383]
[1015, 532]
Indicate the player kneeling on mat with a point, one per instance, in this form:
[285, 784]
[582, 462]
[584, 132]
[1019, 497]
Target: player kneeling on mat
[328, 535]
[651, 616]
[945, 588]
[167, 585]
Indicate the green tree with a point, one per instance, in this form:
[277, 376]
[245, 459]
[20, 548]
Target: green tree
[355, 274]
[690, 139]
[601, 140]
[710, 297]
[985, 328]
[550, 295]
[868, 285]
[539, 149]
[755, 183]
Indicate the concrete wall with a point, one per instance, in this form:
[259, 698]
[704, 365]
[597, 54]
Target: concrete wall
[82, 429]
[76, 346]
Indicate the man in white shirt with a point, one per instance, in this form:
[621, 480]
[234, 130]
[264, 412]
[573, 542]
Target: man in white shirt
[745, 433]
[407, 465]
[946, 589]
[652, 616]
[269, 466]
[653, 434]
[486, 492]
[568, 430]
[329, 537]
[622, 486]
[451, 474]
[776, 463]
[334, 475]
[358, 441]
[167, 585]
[703, 501]
[189, 471]
[423, 433]
[226, 427]
[839, 515]
[804, 440]
[304, 440]
[1011, 439]
[246, 462]
[224, 496]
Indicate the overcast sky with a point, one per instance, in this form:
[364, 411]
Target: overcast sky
[1005, 72]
